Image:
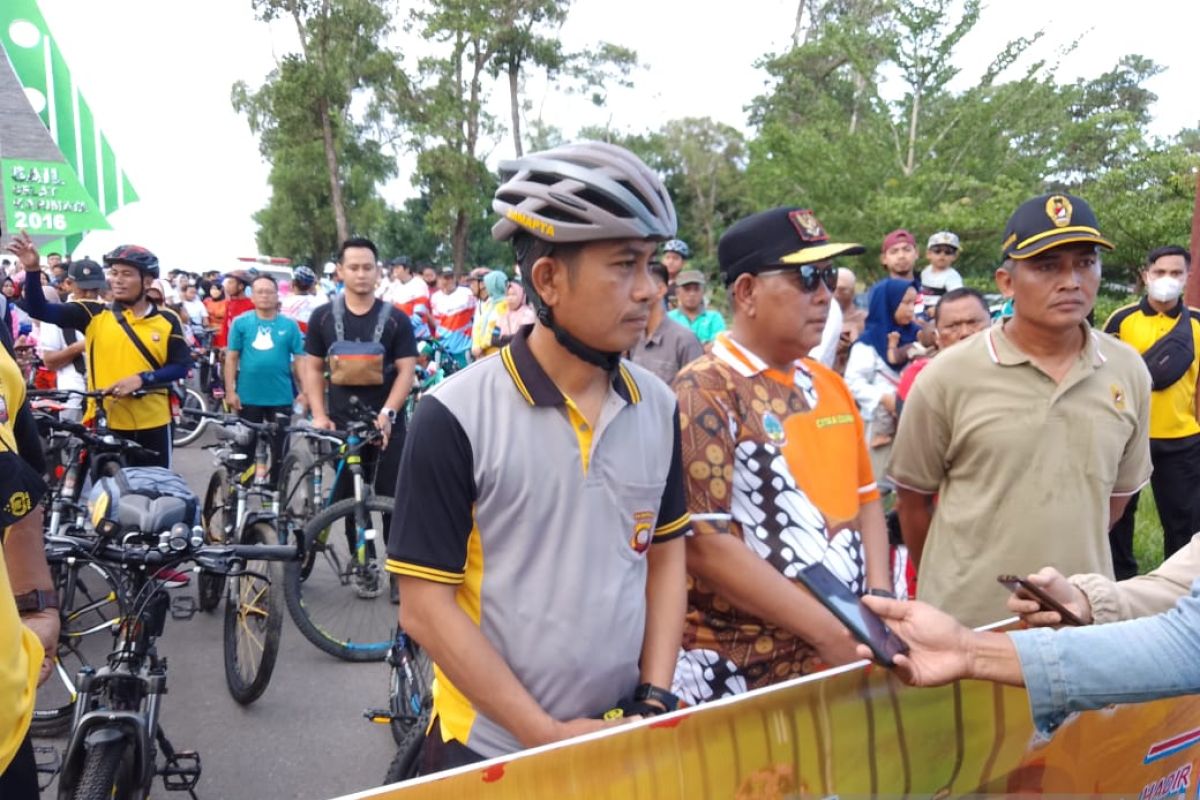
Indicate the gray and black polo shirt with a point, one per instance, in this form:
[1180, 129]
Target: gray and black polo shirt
[543, 523]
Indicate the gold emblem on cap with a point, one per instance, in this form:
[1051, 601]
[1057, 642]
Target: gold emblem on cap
[1058, 209]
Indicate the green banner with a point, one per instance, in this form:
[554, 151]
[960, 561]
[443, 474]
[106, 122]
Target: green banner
[46, 199]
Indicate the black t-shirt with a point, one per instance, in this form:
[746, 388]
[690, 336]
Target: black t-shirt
[397, 341]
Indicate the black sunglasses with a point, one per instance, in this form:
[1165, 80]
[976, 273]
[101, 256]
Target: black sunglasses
[943, 249]
[810, 276]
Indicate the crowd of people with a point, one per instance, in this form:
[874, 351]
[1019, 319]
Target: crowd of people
[618, 462]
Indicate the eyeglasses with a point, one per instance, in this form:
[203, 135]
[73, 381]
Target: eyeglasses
[811, 276]
[943, 250]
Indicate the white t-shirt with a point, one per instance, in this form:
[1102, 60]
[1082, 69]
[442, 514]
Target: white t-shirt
[51, 339]
[940, 282]
[299, 307]
[197, 313]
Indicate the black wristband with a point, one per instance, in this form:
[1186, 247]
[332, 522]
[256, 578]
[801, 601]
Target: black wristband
[36, 600]
[648, 691]
[888, 593]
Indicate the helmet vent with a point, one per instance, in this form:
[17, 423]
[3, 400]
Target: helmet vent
[603, 201]
[543, 178]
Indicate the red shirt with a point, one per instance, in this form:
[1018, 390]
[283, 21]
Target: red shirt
[234, 307]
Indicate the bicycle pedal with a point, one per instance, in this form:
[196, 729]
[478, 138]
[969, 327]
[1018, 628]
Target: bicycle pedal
[183, 607]
[49, 762]
[181, 773]
[380, 716]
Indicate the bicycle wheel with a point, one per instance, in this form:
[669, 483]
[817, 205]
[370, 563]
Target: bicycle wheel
[107, 773]
[91, 607]
[185, 428]
[342, 605]
[216, 516]
[297, 499]
[253, 621]
[411, 700]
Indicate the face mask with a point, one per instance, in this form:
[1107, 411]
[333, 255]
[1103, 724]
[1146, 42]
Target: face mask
[1165, 289]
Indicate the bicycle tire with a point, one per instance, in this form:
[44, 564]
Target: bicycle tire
[406, 761]
[402, 698]
[325, 604]
[296, 498]
[210, 586]
[254, 610]
[86, 632]
[187, 429]
[107, 773]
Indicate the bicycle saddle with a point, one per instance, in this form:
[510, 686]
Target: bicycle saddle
[151, 514]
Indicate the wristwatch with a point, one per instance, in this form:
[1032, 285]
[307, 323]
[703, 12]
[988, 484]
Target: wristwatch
[888, 593]
[648, 691]
[390, 413]
[36, 600]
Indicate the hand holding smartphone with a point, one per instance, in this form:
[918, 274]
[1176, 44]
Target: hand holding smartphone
[862, 622]
[1021, 587]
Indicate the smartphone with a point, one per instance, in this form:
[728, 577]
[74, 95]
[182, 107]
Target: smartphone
[864, 623]
[1019, 586]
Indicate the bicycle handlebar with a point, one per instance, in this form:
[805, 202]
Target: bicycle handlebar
[211, 557]
[108, 441]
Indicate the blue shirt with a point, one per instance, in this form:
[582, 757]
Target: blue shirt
[265, 349]
[1076, 669]
[706, 326]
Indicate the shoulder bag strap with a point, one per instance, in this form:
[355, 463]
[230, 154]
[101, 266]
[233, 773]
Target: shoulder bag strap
[133, 337]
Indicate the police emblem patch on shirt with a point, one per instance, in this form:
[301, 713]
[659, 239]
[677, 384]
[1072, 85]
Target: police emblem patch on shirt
[773, 427]
[155, 337]
[643, 531]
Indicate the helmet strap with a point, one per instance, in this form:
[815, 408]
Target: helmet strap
[606, 361]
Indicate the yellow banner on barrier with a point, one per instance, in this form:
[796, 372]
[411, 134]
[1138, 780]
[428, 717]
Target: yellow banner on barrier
[856, 731]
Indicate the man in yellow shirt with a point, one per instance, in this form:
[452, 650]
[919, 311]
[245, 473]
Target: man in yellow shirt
[29, 620]
[1159, 317]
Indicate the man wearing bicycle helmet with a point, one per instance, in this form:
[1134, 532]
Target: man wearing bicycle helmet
[538, 545]
[299, 305]
[675, 257]
[129, 345]
[236, 283]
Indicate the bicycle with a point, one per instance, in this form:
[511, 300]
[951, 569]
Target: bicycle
[434, 364]
[116, 735]
[410, 704]
[332, 594]
[253, 606]
[184, 400]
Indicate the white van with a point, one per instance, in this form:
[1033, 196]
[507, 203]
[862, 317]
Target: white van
[278, 268]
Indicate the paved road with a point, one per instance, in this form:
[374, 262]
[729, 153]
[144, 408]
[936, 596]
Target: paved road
[304, 738]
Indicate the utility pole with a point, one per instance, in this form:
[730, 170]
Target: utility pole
[1192, 291]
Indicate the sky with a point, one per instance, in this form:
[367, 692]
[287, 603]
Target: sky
[158, 75]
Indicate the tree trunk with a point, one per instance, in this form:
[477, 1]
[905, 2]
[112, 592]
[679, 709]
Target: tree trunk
[514, 100]
[910, 163]
[462, 227]
[331, 165]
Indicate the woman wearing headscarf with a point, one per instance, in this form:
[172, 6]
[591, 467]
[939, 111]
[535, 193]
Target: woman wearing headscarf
[505, 322]
[495, 283]
[876, 359]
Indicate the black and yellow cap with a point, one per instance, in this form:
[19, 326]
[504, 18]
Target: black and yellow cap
[1050, 220]
[781, 236]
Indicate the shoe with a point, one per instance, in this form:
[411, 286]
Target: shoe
[366, 584]
[172, 579]
[394, 591]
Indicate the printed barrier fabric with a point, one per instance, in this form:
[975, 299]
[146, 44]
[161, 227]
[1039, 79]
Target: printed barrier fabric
[853, 732]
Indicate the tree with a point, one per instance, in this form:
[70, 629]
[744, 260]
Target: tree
[310, 94]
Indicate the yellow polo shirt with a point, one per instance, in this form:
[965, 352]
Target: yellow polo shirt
[20, 651]
[1173, 409]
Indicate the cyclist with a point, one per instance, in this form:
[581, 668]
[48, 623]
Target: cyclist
[236, 283]
[537, 543]
[385, 353]
[130, 344]
[304, 297]
[675, 257]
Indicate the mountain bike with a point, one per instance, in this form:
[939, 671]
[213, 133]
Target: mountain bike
[410, 704]
[254, 606]
[336, 593]
[117, 744]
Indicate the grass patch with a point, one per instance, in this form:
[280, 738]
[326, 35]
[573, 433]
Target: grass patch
[1147, 533]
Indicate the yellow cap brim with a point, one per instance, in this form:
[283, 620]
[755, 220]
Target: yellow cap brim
[822, 252]
[1065, 237]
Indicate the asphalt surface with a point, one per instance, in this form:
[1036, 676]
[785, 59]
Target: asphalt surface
[304, 738]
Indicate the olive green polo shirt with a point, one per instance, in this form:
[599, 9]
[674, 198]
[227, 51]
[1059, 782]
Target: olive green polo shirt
[1023, 467]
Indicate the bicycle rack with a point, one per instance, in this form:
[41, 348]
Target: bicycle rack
[183, 607]
[181, 773]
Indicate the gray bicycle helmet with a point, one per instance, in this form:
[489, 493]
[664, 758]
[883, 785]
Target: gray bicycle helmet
[580, 193]
[577, 193]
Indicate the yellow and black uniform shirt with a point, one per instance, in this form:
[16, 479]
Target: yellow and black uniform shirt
[1173, 409]
[542, 521]
[112, 355]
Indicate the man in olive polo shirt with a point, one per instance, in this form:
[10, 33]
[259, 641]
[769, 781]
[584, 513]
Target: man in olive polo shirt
[1032, 434]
